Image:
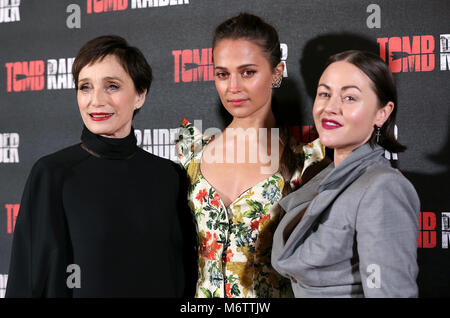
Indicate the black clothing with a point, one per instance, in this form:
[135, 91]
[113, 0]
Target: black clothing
[109, 207]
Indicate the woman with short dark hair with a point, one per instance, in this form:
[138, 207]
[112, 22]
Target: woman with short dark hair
[352, 230]
[100, 218]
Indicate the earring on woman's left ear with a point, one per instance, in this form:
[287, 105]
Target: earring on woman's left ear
[378, 133]
[277, 82]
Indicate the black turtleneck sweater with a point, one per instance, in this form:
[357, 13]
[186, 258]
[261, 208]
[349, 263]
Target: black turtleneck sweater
[113, 210]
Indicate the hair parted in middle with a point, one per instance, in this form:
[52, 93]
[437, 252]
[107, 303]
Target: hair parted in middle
[246, 26]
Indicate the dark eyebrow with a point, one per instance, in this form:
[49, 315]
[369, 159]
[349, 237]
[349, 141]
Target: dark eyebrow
[246, 65]
[350, 86]
[239, 67]
[107, 78]
[343, 88]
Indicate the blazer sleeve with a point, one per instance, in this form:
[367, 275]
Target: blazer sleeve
[386, 233]
[37, 267]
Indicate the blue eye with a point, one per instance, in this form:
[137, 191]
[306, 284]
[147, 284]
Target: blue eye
[113, 87]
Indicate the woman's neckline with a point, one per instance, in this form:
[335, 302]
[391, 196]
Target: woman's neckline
[200, 154]
[109, 148]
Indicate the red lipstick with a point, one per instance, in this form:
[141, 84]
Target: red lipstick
[100, 116]
[330, 124]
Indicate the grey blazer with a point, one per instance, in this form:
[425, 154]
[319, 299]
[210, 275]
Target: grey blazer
[358, 236]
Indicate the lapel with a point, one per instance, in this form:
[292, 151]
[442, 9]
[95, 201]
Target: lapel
[329, 189]
[294, 202]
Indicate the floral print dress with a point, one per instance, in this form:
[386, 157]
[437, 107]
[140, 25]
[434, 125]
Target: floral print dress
[235, 242]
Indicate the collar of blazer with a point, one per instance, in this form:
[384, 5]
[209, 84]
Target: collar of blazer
[337, 180]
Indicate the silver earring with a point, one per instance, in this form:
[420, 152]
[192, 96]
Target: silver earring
[277, 82]
[378, 133]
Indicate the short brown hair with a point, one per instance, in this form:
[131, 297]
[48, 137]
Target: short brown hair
[130, 57]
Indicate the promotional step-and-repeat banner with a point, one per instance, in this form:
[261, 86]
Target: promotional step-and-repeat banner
[39, 112]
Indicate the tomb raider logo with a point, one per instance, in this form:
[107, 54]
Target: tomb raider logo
[24, 76]
[415, 53]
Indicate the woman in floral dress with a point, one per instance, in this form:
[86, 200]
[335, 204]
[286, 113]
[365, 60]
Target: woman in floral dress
[234, 200]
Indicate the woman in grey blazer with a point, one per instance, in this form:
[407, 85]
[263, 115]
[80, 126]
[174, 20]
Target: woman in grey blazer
[351, 231]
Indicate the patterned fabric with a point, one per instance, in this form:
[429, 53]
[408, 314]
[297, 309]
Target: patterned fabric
[235, 243]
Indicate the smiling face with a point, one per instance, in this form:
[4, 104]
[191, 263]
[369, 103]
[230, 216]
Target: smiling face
[107, 98]
[243, 78]
[346, 108]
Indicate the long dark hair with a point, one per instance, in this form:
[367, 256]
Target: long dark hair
[383, 84]
[252, 28]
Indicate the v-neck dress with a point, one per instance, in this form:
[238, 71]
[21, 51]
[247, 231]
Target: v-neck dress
[235, 242]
